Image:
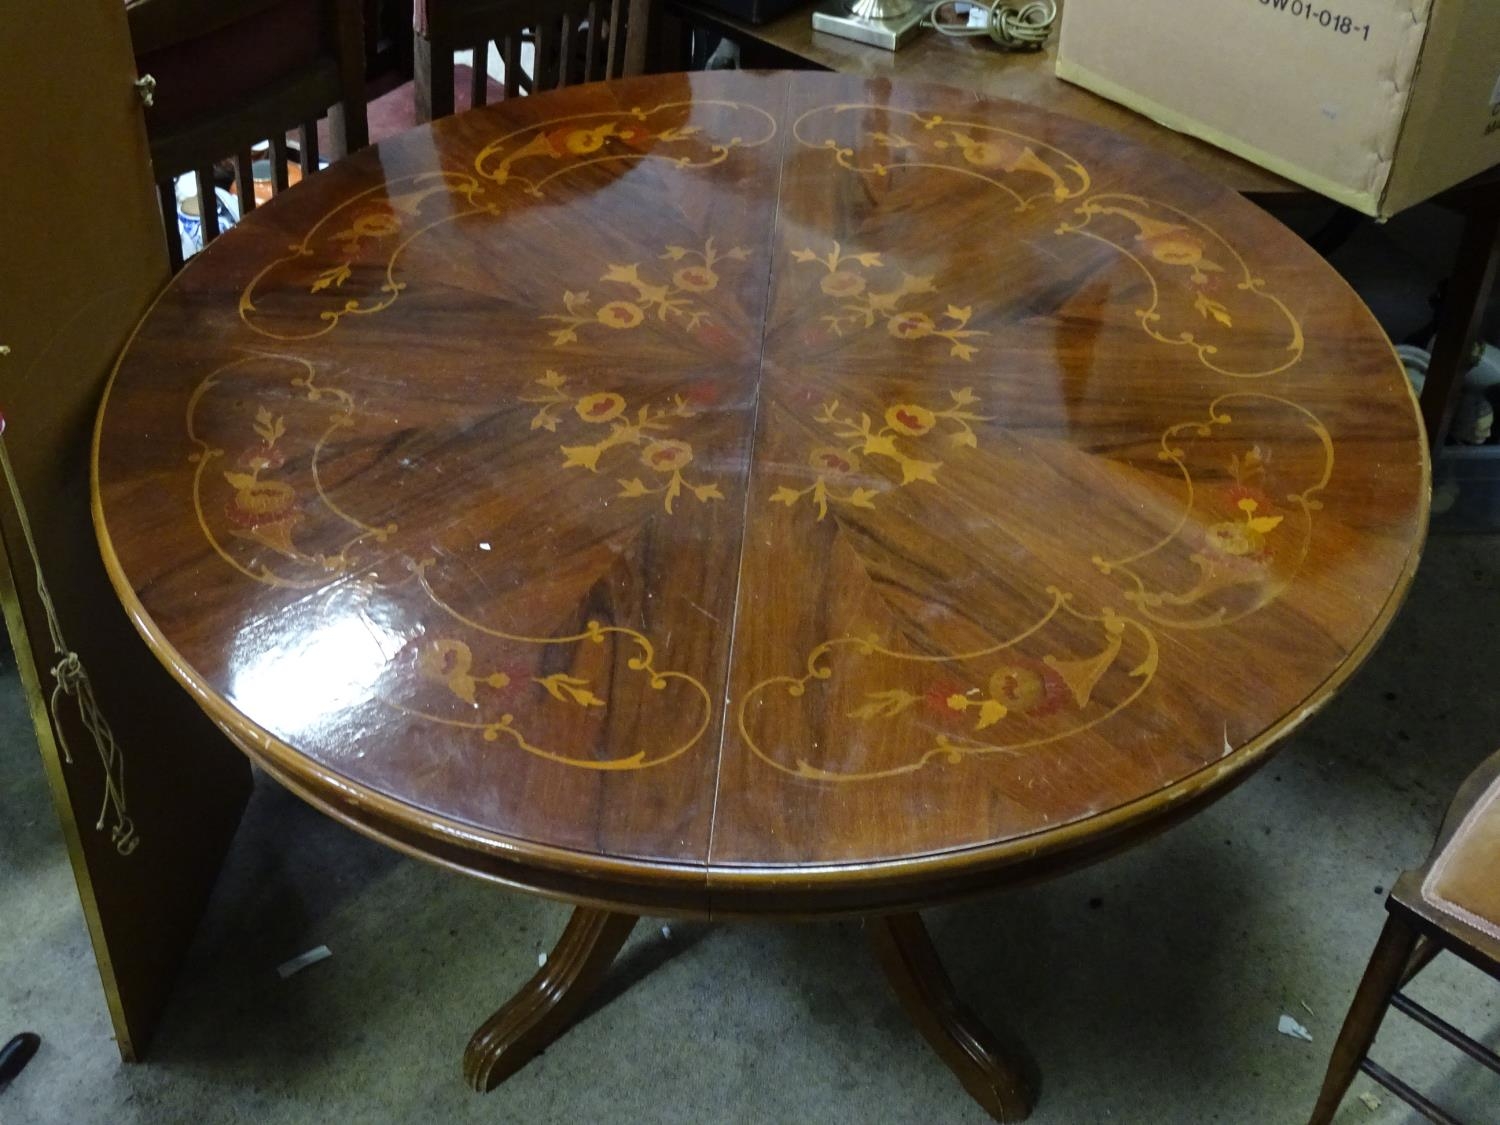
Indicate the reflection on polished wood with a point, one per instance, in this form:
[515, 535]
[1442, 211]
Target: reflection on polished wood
[976, 65]
[744, 493]
[749, 494]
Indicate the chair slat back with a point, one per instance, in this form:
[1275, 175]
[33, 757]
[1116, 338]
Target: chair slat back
[209, 117]
[573, 41]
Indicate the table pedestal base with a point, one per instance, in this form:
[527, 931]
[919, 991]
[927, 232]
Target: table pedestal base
[996, 1071]
[549, 1001]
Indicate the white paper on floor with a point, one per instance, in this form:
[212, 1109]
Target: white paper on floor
[303, 960]
[1288, 1026]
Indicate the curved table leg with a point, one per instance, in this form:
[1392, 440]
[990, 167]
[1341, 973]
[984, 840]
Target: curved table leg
[997, 1073]
[546, 1005]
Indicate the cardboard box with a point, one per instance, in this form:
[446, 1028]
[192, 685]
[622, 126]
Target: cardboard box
[1378, 104]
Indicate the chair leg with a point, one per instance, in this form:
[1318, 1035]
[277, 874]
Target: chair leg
[1461, 317]
[348, 121]
[433, 87]
[166, 194]
[1423, 955]
[1381, 980]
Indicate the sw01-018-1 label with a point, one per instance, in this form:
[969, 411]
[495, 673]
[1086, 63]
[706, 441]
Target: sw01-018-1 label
[1316, 15]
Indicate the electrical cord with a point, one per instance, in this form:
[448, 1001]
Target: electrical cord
[1024, 28]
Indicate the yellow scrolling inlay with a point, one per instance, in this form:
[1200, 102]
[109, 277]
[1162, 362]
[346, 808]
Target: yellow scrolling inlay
[660, 133]
[346, 263]
[451, 663]
[1009, 160]
[268, 501]
[1204, 296]
[1003, 699]
[516, 705]
[1245, 526]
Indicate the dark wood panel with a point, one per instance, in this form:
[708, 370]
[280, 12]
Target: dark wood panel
[147, 821]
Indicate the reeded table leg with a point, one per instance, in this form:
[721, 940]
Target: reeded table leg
[997, 1073]
[544, 1008]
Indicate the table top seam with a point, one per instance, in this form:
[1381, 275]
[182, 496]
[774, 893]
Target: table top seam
[739, 570]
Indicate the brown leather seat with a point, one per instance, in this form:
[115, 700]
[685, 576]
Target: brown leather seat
[1464, 882]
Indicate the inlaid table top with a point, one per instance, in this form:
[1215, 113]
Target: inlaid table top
[777, 492]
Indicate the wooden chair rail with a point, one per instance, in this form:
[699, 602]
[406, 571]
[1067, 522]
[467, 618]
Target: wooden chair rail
[328, 77]
[575, 41]
[155, 24]
[1333, 1092]
[182, 151]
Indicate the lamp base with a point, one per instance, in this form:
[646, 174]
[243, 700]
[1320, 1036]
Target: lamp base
[887, 33]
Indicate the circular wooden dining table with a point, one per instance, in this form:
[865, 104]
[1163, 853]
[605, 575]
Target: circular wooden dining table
[759, 495]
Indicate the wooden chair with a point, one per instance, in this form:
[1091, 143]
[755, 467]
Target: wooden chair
[1451, 902]
[230, 73]
[575, 41]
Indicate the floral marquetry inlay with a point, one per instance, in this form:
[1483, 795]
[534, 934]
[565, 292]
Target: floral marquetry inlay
[639, 294]
[684, 135]
[1245, 518]
[1204, 295]
[868, 295]
[646, 429]
[897, 439]
[1024, 692]
[719, 492]
[277, 521]
[506, 686]
[880, 139]
[346, 264]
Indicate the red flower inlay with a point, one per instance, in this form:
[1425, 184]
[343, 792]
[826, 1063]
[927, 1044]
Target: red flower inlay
[262, 457]
[1241, 492]
[935, 699]
[1028, 687]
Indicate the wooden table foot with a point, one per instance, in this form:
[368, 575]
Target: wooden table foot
[545, 1007]
[998, 1073]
